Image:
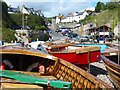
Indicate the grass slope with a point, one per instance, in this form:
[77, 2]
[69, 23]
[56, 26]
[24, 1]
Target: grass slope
[105, 17]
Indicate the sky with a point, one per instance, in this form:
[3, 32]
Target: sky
[52, 8]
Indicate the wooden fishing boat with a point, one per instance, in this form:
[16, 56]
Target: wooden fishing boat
[75, 55]
[27, 59]
[111, 59]
[112, 53]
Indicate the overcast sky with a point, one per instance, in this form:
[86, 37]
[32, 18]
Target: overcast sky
[53, 7]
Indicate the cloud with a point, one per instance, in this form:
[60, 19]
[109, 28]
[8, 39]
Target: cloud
[54, 7]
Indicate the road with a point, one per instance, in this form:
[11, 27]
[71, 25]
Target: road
[57, 36]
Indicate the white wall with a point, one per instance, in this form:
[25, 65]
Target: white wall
[57, 20]
[25, 11]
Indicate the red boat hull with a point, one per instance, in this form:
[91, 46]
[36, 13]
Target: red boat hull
[82, 58]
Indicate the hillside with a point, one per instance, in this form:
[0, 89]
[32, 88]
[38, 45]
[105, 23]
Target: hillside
[109, 17]
[32, 20]
[9, 20]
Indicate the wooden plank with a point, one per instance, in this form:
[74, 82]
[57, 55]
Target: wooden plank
[13, 85]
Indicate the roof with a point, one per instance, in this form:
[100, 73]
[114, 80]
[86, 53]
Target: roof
[99, 27]
[11, 9]
[104, 25]
[34, 12]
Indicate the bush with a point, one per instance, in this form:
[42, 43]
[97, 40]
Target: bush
[8, 35]
[112, 5]
[40, 27]
[39, 35]
[5, 25]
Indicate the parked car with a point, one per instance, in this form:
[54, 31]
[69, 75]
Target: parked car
[65, 32]
[74, 35]
[101, 40]
[60, 29]
[49, 31]
[84, 38]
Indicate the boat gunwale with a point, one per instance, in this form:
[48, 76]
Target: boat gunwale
[110, 62]
[56, 46]
[78, 51]
[112, 69]
[84, 74]
[24, 51]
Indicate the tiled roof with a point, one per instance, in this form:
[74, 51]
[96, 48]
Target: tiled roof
[32, 11]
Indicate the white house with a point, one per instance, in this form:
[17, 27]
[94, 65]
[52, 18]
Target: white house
[75, 17]
[59, 18]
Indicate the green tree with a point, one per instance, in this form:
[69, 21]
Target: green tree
[32, 21]
[100, 6]
[5, 16]
[39, 35]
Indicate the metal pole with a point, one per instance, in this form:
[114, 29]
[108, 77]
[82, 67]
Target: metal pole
[23, 20]
[26, 20]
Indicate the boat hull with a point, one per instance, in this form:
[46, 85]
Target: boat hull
[113, 70]
[81, 58]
